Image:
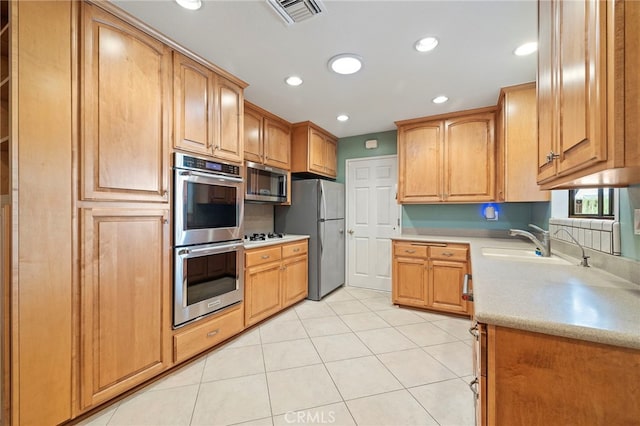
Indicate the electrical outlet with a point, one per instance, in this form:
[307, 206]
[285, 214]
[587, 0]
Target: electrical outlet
[636, 221]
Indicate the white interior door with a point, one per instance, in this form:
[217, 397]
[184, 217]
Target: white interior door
[373, 217]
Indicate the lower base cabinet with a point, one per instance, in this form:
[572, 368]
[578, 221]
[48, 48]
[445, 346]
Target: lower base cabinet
[275, 277]
[527, 378]
[206, 333]
[125, 295]
[430, 275]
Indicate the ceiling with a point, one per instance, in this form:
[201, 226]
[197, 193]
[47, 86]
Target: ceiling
[473, 60]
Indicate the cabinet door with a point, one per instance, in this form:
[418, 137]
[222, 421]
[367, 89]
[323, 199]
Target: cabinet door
[125, 87]
[517, 128]
[253, 147]
[330, 160]
[277, 144]
[193, 112]
[294, 280]
[317, 151]
[581, 84]
[124, 299]
[470, 158]
[445, 286]
[262, 292]
[409, 281]
[545, 90]
[420, 162]
[228, 138]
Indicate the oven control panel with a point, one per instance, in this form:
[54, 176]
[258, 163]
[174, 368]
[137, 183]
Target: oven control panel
[202, 164]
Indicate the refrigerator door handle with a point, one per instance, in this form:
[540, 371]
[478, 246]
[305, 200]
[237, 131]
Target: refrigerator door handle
[323, 201]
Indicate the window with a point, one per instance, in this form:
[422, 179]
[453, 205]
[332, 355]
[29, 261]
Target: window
[596, 203]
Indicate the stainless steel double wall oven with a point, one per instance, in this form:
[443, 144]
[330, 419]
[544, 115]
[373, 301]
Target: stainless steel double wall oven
[208, 248]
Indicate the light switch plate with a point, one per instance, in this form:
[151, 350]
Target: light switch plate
[636, 221]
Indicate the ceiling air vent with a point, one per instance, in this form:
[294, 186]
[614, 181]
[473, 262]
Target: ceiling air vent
[296, 10]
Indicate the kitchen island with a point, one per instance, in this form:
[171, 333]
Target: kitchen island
[556, 343]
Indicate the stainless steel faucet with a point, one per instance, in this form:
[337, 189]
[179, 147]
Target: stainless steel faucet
[544, 245]
[585, 258]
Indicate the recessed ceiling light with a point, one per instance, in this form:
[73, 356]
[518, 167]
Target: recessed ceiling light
[342, 117]
[426, 44]
[190, 4]
[293, 80]
[526, 49]
[439, 99]
[346, 63]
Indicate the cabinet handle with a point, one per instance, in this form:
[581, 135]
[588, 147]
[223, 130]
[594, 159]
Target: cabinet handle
[265, 256]
[296, 250]
[552, 156]
[473, 385]
[447, 253]
[213, 333]
[409, 251]
[474, 331]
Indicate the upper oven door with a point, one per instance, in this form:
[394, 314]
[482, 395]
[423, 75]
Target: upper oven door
[208, 208]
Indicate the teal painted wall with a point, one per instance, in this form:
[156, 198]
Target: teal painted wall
[353, 147]
[469, 216]
[629, 242]
[466, 216]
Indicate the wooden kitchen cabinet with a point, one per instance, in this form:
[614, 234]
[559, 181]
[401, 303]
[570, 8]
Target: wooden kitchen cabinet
[447, 158]
[276, 276]
[125, 298]
[267, 138]
[313, 150]
[208, 110]
[206, 333]
[528, 378]
[126, 104]
[430, 275]
[193, 105]
[228, 140]
[516, 140]
[588, 88]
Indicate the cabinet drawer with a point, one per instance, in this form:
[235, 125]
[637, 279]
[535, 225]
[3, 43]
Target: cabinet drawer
[264, 255]
[409, 250]
[209, 333]
[449, 253]
[294, 249]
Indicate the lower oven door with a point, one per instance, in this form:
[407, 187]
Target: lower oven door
[207, 278]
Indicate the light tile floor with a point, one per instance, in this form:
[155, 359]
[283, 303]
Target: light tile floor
[351, 359]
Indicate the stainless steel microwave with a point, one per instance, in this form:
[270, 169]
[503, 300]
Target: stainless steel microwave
[265, 184]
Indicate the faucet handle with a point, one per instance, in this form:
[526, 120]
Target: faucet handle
[537, 228]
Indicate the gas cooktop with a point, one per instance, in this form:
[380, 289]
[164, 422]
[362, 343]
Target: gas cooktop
[263, 236]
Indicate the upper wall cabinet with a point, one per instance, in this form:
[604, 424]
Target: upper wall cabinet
[588, 93]
[208, 111]
[313, 150]
[267, 138]
[447, 158]
[516, 139]
[125, 97]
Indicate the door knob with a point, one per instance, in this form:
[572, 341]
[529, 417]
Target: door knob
[350, 231]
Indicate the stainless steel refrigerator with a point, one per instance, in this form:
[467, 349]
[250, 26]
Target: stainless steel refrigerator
[317, 210]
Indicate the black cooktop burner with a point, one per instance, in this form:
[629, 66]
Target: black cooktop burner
[263, 236]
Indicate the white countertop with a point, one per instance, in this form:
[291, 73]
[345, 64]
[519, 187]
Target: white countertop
[562, 300]
[288, 238]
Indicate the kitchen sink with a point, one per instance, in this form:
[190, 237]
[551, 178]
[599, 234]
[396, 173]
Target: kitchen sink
[522, 255]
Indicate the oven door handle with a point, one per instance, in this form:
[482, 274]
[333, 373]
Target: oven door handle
[209, 249]
[210, 176]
